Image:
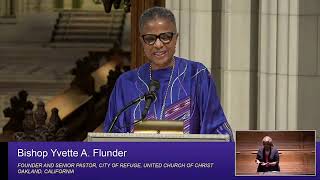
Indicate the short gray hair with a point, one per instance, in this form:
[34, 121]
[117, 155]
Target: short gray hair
[154, 13]
[268, 140]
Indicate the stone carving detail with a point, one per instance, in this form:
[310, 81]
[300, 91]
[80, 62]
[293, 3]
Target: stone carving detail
[16, 112]
[116, 4]
[52, 131]
[40, 114]
[28, 125]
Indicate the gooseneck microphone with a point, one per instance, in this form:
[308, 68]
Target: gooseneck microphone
[150, 96]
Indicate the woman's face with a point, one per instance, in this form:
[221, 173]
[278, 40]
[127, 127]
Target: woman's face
[159, 38]
[266, 145]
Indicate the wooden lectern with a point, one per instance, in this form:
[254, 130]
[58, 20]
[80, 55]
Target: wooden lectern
[159, 127]
[150, 137]
[157, 131]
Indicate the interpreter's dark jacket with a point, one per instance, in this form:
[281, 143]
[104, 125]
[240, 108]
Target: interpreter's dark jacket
[273, 157]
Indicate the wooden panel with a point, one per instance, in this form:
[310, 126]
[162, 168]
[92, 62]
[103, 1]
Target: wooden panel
[73, 98]
[245, 163]
[67, 102]
[101, 74]
[299, 162]
[281, 139]
[291, 162]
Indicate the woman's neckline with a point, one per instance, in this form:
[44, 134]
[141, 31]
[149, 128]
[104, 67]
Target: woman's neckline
[163, 69]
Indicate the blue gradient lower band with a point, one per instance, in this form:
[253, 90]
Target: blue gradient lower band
[126, 160]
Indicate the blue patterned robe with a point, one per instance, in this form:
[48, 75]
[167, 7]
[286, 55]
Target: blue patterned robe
[191, 97]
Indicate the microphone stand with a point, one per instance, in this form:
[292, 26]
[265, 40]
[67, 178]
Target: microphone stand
[135, 101]
[144, 114]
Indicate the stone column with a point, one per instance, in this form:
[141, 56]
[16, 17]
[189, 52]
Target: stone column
[20, 7]
[67, 4]
[2, 8]
[267, 64]
[278, 62]
[306, 72]
[181, 10]
[222, 34]
[6, 7]
[47, 6]
[265, 58]
[194, 24]
[239, 20]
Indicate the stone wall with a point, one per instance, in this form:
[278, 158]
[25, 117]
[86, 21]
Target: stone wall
[263, 54]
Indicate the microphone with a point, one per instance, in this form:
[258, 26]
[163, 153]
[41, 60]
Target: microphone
[150, 96]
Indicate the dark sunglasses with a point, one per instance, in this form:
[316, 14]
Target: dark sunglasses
[165, 38]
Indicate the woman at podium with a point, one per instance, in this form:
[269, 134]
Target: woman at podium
[187, 91]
